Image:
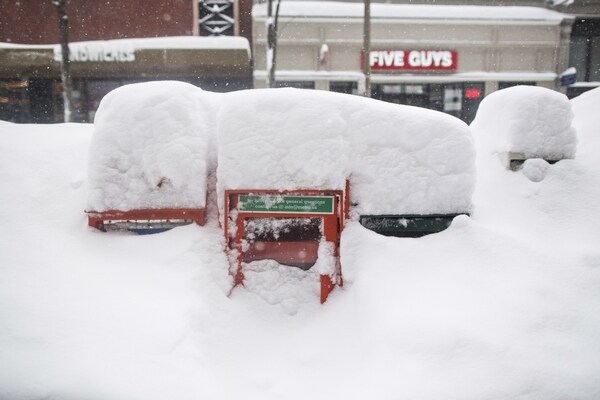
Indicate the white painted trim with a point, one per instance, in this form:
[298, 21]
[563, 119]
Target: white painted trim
[392, 20]
[400, 78]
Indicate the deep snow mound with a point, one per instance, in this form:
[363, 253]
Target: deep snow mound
[150, 147]
[155, 144]
[532, 121]
[399, 159]
[587, 122]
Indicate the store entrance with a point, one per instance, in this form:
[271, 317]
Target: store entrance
[411, 95]
[32, 100]
[458, 99]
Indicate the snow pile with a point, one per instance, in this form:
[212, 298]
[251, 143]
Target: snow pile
[282, 139]
[155, 143]
[290, 288]
[535, 169]
[532, 121]
[502, 305]
[399, 159]
[587, 124]
[151, 148]
[409, 160]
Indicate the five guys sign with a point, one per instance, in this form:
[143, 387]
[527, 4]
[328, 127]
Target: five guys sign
[413, 60]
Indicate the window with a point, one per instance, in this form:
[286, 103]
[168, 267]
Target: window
[458, 99]
[506, 84]
[585, 49]
[295, 84]
[14, 101]
[343, 87]
[594, 70]
[216, 17]
[33, 101]
[96, 90]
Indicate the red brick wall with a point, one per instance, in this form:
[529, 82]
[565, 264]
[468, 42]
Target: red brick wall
[245, 22]
[36, 21]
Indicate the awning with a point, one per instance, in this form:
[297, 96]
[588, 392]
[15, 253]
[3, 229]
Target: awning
[151, 58]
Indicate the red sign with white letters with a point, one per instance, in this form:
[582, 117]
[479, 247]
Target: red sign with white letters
[413, 60]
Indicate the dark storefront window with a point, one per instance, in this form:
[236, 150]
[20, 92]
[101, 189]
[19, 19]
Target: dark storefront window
[220, 84]
[594, 70]
[295, 84]
[96, 90]
[14, 101]
[41, 101]
[585, 49]
[343, 87]
[507, 84]
[216, 17]
[458, 99]
[31, 101]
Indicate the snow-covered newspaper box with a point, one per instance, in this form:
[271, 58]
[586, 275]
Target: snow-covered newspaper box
[149, 157]
[413, 169]
[525, 122]
[281, 182]
[292, 161]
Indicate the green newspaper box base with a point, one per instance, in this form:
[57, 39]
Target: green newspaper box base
[407, 225]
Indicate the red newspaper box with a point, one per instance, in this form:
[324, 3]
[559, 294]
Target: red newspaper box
[286, 226]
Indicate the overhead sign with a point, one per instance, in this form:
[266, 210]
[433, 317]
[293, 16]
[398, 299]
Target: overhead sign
[413, 60]
[97, 52]
[286, 204]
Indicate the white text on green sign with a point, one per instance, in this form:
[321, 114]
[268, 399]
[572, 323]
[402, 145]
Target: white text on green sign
[286, 204]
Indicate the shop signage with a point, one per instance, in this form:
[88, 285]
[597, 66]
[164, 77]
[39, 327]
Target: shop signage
[97, 52]
[568, 77]
[413, 60]
[286, 204]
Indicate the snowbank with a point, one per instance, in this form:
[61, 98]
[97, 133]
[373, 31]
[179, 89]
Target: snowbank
[587, 123]
[154, 144]
[151, 147]
[502, 305]
[408, 160]
[532, 121]
[282, 139]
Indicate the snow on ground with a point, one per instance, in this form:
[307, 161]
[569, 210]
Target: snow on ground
[502, 305]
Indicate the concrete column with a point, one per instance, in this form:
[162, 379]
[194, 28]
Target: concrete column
[490, 86]
[260, 83]
[322, 85]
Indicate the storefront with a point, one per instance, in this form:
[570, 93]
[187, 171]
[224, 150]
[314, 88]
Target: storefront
[445, 58]
[585, 54]
[30, 85]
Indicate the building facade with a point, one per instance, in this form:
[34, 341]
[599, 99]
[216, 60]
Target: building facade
[203, 42]
[440, 54]
[584, 48]
[440, 57]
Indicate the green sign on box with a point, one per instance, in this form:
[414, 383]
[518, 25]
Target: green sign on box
[286, 204]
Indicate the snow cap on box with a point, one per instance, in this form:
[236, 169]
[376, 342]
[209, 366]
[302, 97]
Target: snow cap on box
[399, 159]
[283, 139]
[530, 120]
[150, 147]
[409, 160]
